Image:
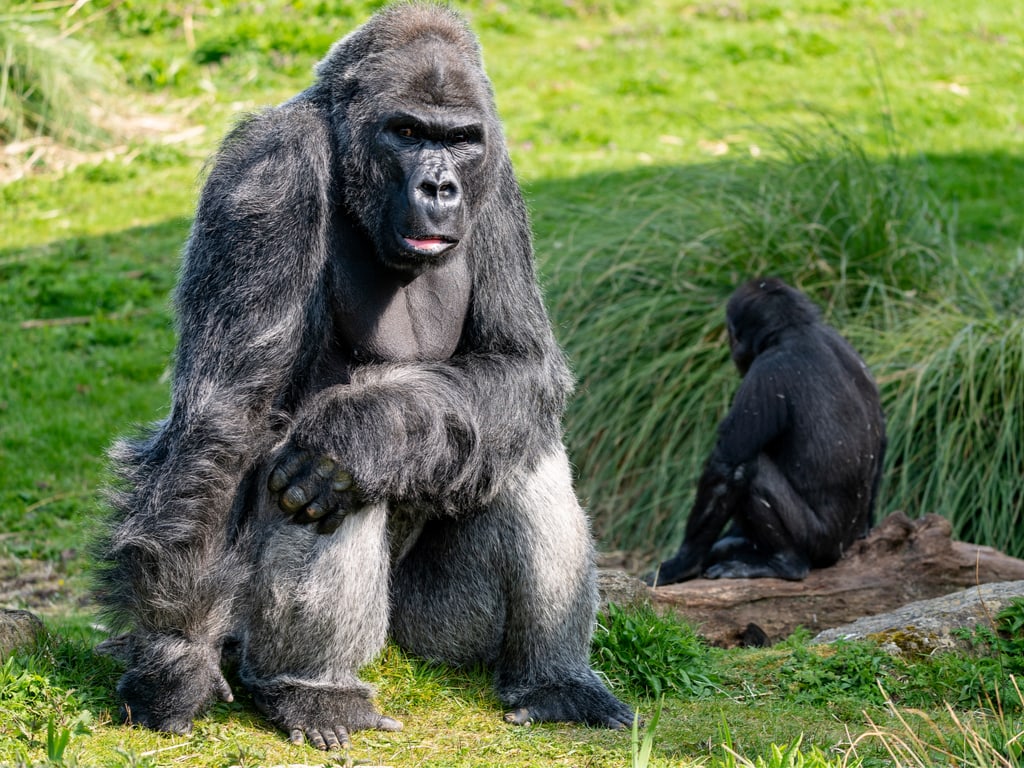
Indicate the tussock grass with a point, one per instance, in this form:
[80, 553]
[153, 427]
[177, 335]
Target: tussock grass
[51, 84]
[642, 318]
[953, 381]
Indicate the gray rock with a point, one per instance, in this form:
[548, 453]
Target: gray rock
[928, 625]
[18, 629]
[618, 587]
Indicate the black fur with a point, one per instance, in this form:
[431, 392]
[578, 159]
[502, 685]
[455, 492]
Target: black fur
[798, 461]
[363, 350]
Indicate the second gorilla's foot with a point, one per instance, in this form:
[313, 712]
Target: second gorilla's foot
[322, 715]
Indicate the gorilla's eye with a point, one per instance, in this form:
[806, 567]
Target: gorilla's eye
[406, 132]
[463, 136]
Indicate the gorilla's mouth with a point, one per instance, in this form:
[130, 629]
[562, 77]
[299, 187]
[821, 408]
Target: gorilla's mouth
[429, 245]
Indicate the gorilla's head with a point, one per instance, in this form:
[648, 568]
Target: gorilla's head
[758, 312]
[416, 132]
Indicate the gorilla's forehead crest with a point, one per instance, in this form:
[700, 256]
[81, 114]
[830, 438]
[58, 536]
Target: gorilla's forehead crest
[426, 50]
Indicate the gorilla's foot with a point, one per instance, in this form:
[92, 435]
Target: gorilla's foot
[781, 565]
[575, 701]
[685, 565]
[322, 715]
[169, 682]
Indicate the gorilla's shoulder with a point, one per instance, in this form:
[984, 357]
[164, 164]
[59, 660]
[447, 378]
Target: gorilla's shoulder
[273, 154]
[296, 129]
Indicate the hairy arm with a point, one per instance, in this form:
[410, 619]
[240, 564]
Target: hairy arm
[248, 284]
[759, 414]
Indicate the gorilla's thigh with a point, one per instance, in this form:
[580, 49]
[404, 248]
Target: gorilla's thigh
[317, 606]
[774, 515]
[512, 585]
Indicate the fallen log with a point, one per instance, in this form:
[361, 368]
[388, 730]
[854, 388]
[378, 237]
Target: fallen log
[900, 561]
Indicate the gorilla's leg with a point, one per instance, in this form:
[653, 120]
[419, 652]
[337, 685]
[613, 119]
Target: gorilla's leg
[712, 509]
[514, 587]
[775, 530]
[317, 612]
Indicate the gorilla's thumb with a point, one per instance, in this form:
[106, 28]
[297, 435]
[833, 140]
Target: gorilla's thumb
[222, 688]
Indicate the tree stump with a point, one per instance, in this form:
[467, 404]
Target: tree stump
[900, 561]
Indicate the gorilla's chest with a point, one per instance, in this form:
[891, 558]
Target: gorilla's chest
[378, 316]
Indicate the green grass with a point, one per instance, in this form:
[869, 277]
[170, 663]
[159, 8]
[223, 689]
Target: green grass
[869, 152]
[795, 704]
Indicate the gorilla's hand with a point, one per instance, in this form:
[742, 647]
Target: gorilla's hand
[175, 683]
[313, 489]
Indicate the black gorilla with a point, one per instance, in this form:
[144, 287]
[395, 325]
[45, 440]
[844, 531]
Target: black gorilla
[365, 430]
[799, 457]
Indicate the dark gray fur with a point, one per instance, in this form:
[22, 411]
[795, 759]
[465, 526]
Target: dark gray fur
[308, 339]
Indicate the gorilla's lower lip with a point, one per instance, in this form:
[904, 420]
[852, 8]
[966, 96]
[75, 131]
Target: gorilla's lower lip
[432, 244]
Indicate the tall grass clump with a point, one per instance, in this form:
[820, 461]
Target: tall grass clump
[642, 314]
[855, 231]
[953, 385]
[50, 83]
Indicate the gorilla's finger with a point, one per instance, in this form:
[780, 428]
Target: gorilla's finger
[519, 716]
[337, 738]
[324, 467]
[223, 690]
[316, 738]
[313, 512]
[617, 723]
[286, 470]
[388, 724]
[295, 737]
[331, 523]
[294, 499]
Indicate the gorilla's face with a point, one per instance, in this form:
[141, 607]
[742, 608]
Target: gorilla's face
[740, 349]
[432, 157]
[419, 137]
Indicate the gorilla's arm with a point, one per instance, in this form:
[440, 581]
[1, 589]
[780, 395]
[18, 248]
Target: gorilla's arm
[759, 414]
[451, 432]
[247, 290]
[168, 570]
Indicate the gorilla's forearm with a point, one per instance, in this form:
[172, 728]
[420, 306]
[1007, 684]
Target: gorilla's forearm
[444, 433]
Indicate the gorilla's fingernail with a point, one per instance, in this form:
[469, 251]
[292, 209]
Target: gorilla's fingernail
[330, 524]
[324, 467]
[342, 481]
[294, 498]
[278, 480]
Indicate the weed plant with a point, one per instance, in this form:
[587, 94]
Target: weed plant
[646, 655]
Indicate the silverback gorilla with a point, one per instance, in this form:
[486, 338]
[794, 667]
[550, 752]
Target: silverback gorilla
[364, 438]
[799, 456]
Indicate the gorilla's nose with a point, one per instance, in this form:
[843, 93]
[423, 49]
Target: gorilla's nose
[436, 193]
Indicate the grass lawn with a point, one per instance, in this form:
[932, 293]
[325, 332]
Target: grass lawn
[630, 125]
